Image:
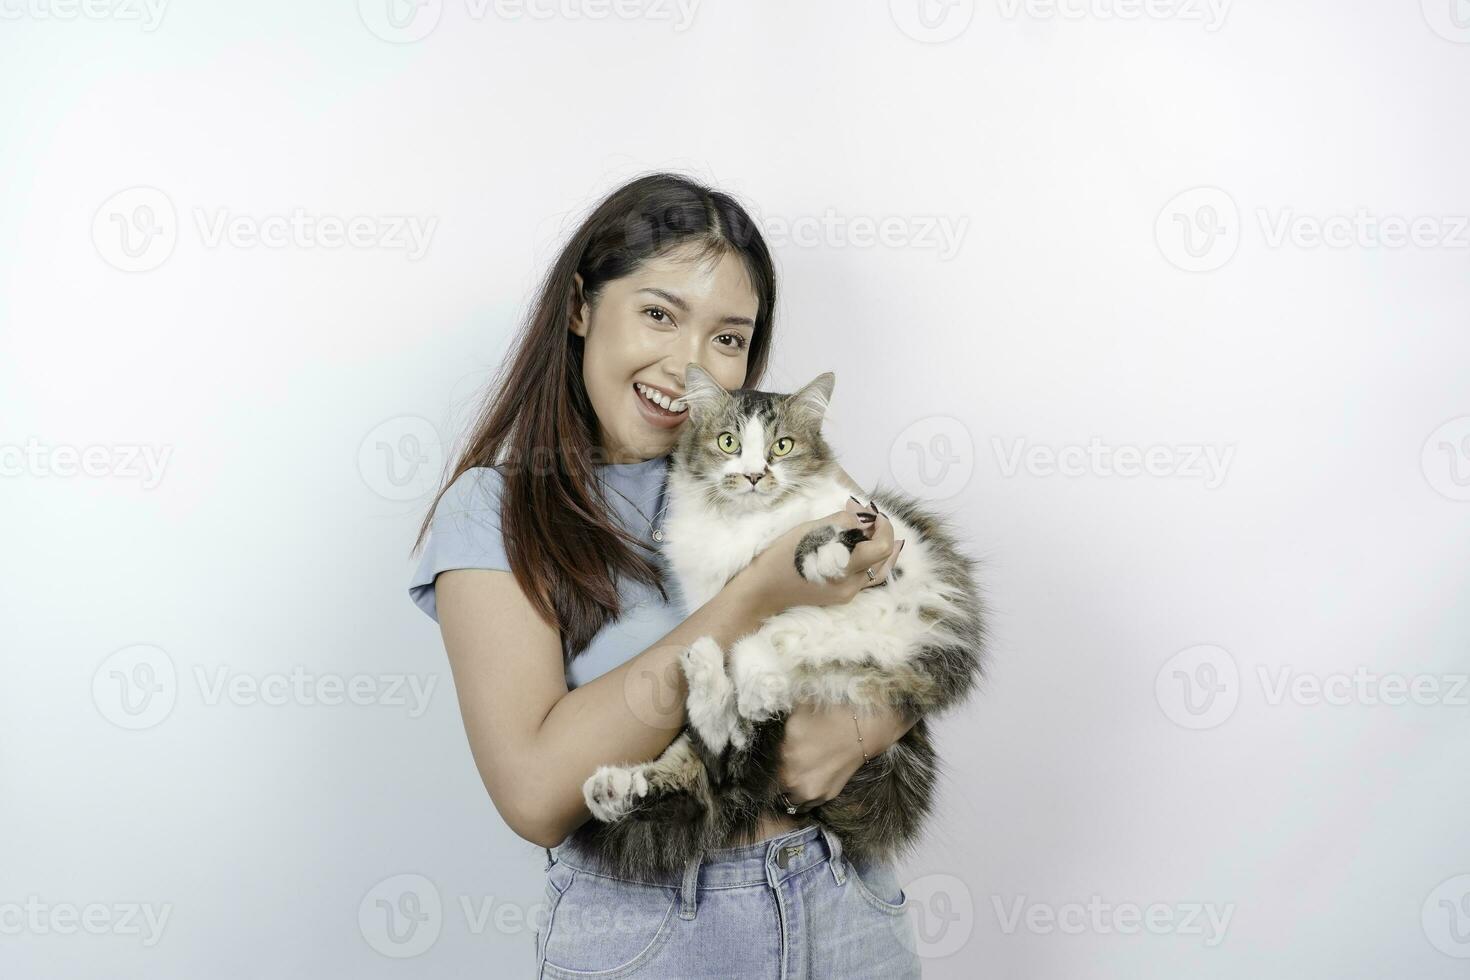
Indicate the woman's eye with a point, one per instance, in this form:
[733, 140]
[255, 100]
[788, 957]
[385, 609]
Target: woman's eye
[661, 313]
[740, 342]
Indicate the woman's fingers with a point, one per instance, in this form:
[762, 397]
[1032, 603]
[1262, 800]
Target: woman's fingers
[874, 552]
[892, 559]
[802, 806]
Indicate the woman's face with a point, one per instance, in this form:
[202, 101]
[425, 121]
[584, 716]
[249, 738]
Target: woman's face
[645, 328]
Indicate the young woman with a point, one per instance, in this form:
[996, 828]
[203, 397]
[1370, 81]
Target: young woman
[538, 566]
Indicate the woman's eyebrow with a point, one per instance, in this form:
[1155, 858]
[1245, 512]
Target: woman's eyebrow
[672, 300]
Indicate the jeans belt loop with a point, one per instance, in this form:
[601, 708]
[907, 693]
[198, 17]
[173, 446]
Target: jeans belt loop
[689, 889]
[834, 845]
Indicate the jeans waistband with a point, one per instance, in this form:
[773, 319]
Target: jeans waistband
[766, 862]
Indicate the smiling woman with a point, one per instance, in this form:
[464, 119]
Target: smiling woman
[541, 564]
[690, 304]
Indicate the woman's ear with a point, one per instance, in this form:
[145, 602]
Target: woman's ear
[577, 304]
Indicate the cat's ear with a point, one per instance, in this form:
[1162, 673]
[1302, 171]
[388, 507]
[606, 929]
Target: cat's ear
[701, 391]
[814, 398]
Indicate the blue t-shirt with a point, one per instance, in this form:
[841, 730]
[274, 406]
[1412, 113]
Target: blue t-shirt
[465, 533]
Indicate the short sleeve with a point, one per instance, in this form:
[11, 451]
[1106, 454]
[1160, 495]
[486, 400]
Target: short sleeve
[465, 533]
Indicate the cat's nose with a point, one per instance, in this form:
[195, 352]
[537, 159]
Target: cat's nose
[754, 478]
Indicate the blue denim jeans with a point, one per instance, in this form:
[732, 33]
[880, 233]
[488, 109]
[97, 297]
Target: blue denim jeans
[787, 908]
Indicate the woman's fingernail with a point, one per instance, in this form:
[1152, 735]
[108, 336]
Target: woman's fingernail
[865, 517]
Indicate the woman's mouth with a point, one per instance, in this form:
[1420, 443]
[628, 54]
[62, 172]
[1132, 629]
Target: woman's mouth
[651, 403]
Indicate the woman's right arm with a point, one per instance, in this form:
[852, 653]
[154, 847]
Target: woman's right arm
[534, 742]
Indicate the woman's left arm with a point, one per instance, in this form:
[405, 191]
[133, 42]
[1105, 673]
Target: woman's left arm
[888, 724]
[820, 750]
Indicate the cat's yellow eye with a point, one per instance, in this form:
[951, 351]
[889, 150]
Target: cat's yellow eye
[783, 446]
[728, 443]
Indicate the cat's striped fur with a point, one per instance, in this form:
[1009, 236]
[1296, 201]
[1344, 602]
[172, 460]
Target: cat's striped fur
[915, 642]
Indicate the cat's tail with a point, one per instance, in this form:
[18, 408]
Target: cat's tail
[658, 836]
[880, 813]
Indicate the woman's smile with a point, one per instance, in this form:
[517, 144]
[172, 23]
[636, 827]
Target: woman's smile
[656, 415]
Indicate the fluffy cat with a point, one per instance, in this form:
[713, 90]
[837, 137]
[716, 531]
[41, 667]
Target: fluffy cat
[914, 642]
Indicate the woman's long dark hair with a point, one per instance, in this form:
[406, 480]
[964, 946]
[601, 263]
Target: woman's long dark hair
[565, 547]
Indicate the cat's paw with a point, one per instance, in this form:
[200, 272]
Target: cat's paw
[763, 694]
[740, 734]
[823, 552]
[710, 705]
[703, 663]
[612, 791]
[823, 562]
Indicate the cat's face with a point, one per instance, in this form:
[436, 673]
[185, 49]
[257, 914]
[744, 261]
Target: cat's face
[753, 448]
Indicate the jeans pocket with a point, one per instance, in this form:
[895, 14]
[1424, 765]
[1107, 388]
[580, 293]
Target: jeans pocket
[878, 885]
[558, 878]
[604, 927]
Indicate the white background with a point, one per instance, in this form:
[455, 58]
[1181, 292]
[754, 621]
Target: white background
[303, 394]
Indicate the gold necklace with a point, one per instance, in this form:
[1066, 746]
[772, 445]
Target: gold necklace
[657, 532]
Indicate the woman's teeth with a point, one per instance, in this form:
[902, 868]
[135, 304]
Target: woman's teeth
[674, 405]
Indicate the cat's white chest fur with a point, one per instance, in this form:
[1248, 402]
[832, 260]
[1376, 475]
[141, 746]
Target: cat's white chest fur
[705, 548]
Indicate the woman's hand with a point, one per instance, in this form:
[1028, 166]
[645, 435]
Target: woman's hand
[820, 749]
[772, 583]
